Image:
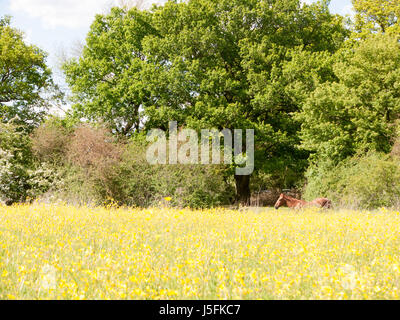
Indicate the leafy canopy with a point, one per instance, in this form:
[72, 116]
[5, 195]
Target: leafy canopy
[374, 16]
[358, 112]
[24, 78]
[203, 63]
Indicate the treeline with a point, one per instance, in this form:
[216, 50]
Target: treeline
[321, 92]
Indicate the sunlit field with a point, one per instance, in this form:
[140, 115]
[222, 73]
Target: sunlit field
[62, 252]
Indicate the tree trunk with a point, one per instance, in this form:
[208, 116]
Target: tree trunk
[243, 190]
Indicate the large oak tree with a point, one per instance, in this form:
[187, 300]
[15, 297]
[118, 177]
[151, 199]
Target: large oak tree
[204, 63]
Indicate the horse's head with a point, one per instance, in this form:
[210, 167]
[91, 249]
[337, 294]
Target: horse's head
[281, 201]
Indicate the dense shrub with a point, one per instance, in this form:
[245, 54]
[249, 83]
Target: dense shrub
[368, 182]
[47, 180]
[86, 155]
[91, 147]
[133, 181]
[49, 141]
[98, 169]
[15, 162]
[70, 184]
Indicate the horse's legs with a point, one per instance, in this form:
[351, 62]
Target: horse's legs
[328, 204]
[298, 207]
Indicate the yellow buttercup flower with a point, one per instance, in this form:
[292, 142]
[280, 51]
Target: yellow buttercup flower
[66, 252]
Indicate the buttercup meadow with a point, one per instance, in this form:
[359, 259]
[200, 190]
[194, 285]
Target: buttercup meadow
[65, 252]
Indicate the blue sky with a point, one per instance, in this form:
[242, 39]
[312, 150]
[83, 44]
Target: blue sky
[56, 26]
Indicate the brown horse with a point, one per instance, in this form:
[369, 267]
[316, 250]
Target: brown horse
[290, 202]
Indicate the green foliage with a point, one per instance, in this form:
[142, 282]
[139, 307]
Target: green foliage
[15, 161]
[219, 64]
[142, 184]
[43, 178]
[280, 67]
[91, 167]
[109, 80]
[68, 184]
[205, 64]
[359, 111]
[133, 181]
[374, 16]
[367, 182]
[24, 79]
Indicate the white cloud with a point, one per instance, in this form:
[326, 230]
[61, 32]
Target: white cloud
[348, 10]
[73, 14]
[64, 13]
[28, 36]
